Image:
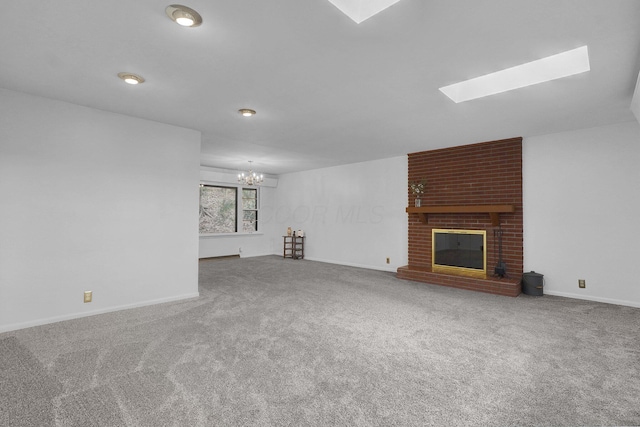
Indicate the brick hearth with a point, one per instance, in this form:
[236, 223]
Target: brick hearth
[499, 286]
[488, 173]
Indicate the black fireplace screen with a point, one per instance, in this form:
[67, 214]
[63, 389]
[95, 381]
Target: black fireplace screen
[457, 248]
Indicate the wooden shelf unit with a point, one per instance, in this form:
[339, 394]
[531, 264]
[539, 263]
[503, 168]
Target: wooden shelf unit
[293, 247]
[494, 211]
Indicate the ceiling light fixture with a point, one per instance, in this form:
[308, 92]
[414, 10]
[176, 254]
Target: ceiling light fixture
[132, 79]
[250, 178]
[183, 15]
[553, 67]
[246, 112]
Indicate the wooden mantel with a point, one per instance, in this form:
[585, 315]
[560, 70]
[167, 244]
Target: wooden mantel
[494, 211]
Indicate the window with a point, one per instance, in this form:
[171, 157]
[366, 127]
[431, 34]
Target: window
[220, 208]
[249, 210]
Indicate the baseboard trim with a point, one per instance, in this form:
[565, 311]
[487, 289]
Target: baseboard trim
[240, 255]
[55, 319]
[256, 255]
[351, 264]
[219, 257]
[592, 298]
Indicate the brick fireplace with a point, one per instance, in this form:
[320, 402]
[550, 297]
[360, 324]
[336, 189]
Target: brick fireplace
[472, 187]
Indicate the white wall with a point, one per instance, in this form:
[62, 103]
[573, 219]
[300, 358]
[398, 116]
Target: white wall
[352, 214]
[582, 212]
[211, 175]
[95, 201]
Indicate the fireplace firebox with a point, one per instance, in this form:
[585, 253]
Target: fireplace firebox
[460, 252]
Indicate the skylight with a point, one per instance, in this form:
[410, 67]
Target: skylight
[635, 101]
[360, 10]
[553, 67]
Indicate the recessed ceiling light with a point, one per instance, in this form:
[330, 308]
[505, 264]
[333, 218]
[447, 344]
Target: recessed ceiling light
[246, 112]
[553, 67]
[132, 79]
[183, 15]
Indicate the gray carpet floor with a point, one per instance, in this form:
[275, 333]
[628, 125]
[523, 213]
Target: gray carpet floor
[302, 343]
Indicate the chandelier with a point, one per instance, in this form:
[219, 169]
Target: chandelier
[250, 178]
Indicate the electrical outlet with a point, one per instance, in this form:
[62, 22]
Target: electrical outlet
[388, 260]
[581, 283]
[88, 296]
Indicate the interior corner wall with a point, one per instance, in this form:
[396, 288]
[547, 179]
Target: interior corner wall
[94, 201]
[351, 215]
[581, 208]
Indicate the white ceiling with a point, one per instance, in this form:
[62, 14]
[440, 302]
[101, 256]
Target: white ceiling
[327, 91]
